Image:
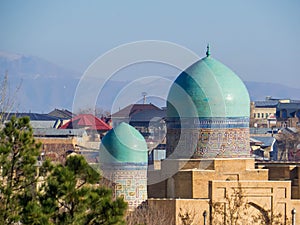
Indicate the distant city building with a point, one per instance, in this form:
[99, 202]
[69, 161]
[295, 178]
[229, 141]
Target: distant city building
[95, 127]
[148, 119]
[58, 143]
[37, 120]
[287, 145]
[126, 114]
[275, 113]
[63, 114]
[262, 113]
[288, 114]
[263, 148]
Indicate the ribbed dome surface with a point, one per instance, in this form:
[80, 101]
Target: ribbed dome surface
[123, 144]
[208, 89]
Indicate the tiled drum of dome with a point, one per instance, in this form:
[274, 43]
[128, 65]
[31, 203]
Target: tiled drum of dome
[129, 181]
[123, 161]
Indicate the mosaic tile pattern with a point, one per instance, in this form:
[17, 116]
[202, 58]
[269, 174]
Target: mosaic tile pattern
[214, 138]
[128, 181]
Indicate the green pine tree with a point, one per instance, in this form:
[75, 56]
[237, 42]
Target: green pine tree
[50, 194]
[18, 158]
[72, 195]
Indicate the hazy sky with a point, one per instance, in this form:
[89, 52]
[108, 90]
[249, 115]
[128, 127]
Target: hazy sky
[258, 39]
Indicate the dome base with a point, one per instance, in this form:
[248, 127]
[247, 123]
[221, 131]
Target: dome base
[208, 142]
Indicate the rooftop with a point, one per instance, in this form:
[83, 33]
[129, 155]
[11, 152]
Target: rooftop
[266, 103]
[52, 132]
[153, 115]
[32, 116]
[132, 109]
[88, 121]
[61, 113]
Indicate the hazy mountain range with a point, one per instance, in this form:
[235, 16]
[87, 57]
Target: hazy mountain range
[45, 86]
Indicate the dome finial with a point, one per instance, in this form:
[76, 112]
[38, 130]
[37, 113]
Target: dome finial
[207, 51]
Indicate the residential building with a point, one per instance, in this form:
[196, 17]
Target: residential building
[262, 113]
[148, 119]
[95, 127]
[63, 114]
[288, 114]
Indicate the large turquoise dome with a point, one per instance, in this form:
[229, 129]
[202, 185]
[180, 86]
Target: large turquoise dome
[208, 89]
[123, 144]
[208, 111]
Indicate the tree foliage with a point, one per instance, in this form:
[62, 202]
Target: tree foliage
[18, 158]
[49, 194]
[72, 196]
[147, 214]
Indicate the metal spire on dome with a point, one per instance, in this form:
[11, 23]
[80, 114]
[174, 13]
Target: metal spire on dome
[207, 51]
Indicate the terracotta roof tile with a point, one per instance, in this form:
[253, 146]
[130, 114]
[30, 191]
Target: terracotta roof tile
[88, 121]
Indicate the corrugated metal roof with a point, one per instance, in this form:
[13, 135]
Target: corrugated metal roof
[266, 103]
[254, 130]
[289, 130]
[254, 140]
[33, 116]
[295, 101]
[42, 124]
[266, 141]
[40, 132]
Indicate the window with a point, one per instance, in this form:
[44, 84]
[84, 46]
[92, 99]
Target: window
[262, 115]
[258, 115]
[254, 115]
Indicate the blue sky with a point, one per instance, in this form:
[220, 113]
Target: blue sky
[258, 39]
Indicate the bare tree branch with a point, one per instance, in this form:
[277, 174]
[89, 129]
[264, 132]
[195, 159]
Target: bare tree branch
[7, 99]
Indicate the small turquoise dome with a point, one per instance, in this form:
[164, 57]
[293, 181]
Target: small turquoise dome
[123, 144]
[208, 89]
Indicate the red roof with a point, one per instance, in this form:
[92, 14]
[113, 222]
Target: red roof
[88, 121]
